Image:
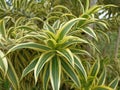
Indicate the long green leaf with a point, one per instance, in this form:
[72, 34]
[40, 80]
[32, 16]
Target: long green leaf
[30, 67]
[80, 67]
[50, 28]
[93, 9]
[67, 54]
[25, 27]
[46, 75]
[44, 58]
[30, 45]
[3, 62]
[102, 88]
[87, 5]
[66, 28]
[12, 76]
[102, 78]
[56, 24]
[72, 41]
[55, 72]
[70, 72]
[90, 32]
[63, 7]
[95, 68]
[3, 2]
[79, 51]
[2, 29]
[114, 83]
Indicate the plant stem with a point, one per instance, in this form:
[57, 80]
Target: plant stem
[117, 45]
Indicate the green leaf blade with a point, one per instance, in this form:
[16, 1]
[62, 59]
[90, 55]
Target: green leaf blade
[114, 83]
[80, 67]
[3, 62]
[55, 73]
[102, 88]
[12, 76]
[45, 57]
[67, 54]
[70, 72]
[30, 67]
[30, 45]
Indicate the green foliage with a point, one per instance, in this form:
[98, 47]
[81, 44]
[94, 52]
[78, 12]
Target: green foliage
[46, 45]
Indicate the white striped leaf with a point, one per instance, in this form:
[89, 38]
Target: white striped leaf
[79, 51]
[30, 45]
[50, 28]
[73, 41]
[66, 28]
[102, 78]
[2, 29]
[56, 24]
[114, 83]
[80, 67]
[12, 76]
[44, 58]
[90, 32]
[95, 68]
[30, 67]
[102, 88]
[25, 27]
[46, 74]
[68, 69]
[55, 73]
[67, 54]
[3, 62]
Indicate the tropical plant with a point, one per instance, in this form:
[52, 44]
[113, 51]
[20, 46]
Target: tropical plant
[45, 51]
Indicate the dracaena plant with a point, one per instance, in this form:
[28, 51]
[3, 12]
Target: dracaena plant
[96, 79]
[51, 51]
[57, 54]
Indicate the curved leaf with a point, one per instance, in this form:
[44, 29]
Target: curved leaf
[30, 45]
[102, 78]
[114, 83]
[73, 41]
[66, 28]
[95, 68]
[50, 28]
[70, 72]
[45, 57]
[90, 32]
[80, 68]
[67, 54]
[30, 67]
[102, 88]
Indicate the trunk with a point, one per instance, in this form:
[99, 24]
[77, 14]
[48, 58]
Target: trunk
[117, 46]
[116, 60]
[89, 49]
